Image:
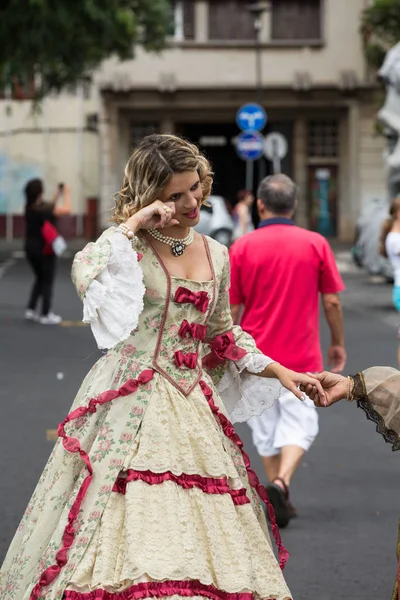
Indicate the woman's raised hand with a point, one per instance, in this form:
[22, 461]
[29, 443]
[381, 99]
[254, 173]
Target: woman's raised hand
[298, 383]
[154, 216]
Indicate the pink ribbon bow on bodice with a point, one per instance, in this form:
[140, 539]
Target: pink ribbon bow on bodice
[188, 360]
[199, 299]
[198, 332]
[223, 347]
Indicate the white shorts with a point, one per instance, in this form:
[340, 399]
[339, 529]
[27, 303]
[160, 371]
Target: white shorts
[289, 422]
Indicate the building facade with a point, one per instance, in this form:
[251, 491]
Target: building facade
[313, 83]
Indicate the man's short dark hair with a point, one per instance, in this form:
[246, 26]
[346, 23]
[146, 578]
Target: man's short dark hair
[278, 193]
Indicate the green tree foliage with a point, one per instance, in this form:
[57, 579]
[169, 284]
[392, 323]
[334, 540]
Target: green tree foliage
[380, 29]
[63, 40]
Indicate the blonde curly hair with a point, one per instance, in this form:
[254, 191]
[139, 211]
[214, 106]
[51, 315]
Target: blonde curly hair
[149, 169]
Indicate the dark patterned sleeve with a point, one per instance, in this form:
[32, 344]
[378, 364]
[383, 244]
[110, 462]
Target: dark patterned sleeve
[377, 391]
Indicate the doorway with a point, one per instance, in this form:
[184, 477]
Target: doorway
[323, 183]
[216, 140]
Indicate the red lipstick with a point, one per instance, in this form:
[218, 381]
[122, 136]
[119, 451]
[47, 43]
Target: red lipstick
[193, 214]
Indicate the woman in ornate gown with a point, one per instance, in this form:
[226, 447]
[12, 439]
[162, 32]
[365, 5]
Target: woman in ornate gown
[148, 491]
[377, 392]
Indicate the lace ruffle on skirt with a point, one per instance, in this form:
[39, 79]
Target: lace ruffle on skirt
[169, 520]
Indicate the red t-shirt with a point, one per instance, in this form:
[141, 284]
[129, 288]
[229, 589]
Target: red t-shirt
[277, 273]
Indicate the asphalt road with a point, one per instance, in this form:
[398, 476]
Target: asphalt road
[342, 545]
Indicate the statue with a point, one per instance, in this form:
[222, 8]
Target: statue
[389, 116]
[369, 225]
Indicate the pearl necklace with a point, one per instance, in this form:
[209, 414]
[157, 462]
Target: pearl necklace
[178, 246]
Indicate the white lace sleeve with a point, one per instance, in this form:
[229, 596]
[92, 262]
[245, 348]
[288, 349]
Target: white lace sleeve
[114, 300]
[244, 394]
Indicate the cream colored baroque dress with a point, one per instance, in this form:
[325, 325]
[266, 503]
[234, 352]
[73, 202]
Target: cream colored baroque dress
[148, 491]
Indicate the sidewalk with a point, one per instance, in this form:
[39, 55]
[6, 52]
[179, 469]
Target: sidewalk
[15, 248]
[76, 244]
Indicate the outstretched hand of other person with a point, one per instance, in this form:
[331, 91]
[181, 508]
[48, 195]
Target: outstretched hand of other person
[335, 386]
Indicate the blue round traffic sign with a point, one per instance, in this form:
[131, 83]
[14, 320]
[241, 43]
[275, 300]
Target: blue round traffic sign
[252, 117]
[250, 145]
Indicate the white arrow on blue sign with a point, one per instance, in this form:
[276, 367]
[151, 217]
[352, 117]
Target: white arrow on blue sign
[250, 145]
[251, 117]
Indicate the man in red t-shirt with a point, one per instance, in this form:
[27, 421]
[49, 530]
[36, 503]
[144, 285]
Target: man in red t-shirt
[277, 274]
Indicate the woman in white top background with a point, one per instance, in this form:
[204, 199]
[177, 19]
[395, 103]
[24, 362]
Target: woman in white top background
[390, 248]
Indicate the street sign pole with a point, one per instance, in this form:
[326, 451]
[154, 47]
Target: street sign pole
[251, 118]
[276, 164]
[275, 149]
[249, 175]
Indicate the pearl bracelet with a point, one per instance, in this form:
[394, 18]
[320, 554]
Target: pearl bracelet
[126, 231]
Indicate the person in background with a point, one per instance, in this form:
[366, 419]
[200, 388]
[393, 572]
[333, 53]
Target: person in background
[278, 273]
[41, 258]
[242, 214]
[390, 248]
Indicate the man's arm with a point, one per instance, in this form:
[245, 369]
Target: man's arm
[334, 315]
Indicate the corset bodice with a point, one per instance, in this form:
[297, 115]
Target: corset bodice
[174, 325]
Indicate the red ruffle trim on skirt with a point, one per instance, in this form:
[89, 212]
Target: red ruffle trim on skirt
[209, 485]
[155, 589]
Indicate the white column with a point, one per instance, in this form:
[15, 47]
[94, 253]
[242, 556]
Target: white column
[106, 179]
[350, 193]
[266, 28]
[80, 120]
[179, 34]
[300, 174]
[201, 21]
[47, 171]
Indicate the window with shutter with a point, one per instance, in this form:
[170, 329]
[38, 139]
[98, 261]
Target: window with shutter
[296, 20]
[323, 139]
[230, 20]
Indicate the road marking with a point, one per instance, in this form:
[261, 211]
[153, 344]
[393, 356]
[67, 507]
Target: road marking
[6, 265]
[51, 435]
[345, 262]
[73, 324]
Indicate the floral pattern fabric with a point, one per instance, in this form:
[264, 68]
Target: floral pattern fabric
[156, 532]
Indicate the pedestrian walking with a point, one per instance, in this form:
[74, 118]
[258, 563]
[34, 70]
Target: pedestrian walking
[40, 255]
[149, 492]
[278, 273]
[390, 248]
[242, 213]
[377, 392]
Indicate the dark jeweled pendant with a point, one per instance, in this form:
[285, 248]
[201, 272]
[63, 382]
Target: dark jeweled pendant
[178, 249]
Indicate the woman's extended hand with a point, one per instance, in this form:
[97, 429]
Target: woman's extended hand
[154, 216]
[293, 381]
[336, 388]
